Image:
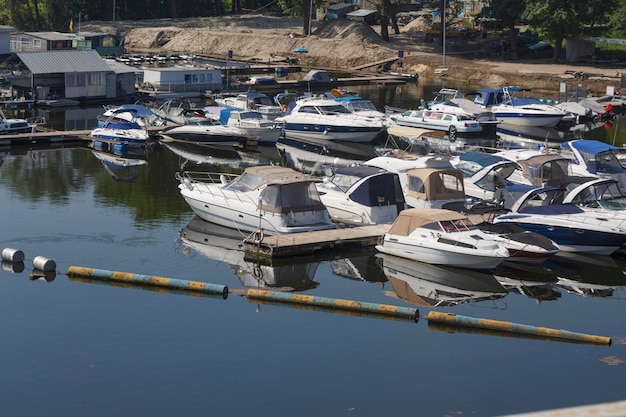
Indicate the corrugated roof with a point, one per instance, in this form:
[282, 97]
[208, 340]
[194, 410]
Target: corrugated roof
[120, 68]
[54, 62]
[51, 36]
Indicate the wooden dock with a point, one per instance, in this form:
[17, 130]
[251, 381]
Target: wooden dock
[309, 242]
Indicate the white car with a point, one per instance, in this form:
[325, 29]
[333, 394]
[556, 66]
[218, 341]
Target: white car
[434, 120]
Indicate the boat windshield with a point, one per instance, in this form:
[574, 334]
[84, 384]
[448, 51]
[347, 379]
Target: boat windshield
[602, 196]
[610, 161]
[460, 225]
[330, 110]
[344, 181]
[251, 115]
[246, 182]
[360, 105]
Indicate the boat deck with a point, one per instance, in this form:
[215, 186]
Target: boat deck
[308, 242]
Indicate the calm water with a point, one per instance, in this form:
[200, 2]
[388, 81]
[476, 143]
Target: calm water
[75, 347]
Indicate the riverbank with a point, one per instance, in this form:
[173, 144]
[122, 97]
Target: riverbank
[347, 44]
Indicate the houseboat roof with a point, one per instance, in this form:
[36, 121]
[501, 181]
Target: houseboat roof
[60, 62]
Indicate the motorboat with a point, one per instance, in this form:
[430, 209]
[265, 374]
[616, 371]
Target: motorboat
[453, 123]
[143, 115]
[208, 132]
[602, 195]
[596, 159]
[362, 194]
[543, 166]
[427, 181]
[178, 112]
[325, 119]
[485, 176]
[122, 130]
[270, 199]
[225, 245]
[363, 107]
[511, 109]
[251, 100]
[428, 285]
[253, 124]
[439, 236]
[9, 126]
[541, 210]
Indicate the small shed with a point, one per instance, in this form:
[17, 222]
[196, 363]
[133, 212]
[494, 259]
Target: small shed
[105, 43]
[339, 10]
[182, 79]
[363, 15]
[41, 41]
[125, 78]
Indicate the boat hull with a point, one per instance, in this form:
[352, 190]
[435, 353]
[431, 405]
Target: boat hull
[308, 131]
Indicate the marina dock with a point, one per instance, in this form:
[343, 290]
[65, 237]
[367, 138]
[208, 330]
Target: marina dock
[309, 242]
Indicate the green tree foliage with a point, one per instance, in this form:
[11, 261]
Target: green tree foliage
[509, 12]
[562, 19]
[617, 20]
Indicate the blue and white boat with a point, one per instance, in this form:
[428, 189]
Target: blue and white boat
[570, 227]
[325, 119]
[121, 127]
[525, 111]
[596, 159]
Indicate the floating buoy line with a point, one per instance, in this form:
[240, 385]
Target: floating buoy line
[45, 268]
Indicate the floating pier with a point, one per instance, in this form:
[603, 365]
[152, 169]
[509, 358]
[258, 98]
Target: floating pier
[308, 242]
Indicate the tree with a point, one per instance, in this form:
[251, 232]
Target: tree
[560, 19]
[509, 12]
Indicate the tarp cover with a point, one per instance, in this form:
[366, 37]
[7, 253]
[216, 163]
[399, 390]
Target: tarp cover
[410, 219]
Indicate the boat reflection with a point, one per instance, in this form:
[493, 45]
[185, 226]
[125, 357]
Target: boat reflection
[226, 245]
[439, 286]
[359, 268]
[207, 155]
[122, 164]
[528, 279]
[588, 275]
[311, 157]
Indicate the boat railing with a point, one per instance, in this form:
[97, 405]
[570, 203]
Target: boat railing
[201, 180]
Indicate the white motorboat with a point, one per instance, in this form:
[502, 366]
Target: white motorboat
[439, 236]
[9, 126]
[362, 195]
[140, 114]
[438, 285]
[208, 132]
[596, 159]
[253, 124]
[123, 130]
[225, 245]
[251, 100]
[453, 123]
[325, 119]
[519, 110]
[573, 229]
[270, 199]
[602, 195]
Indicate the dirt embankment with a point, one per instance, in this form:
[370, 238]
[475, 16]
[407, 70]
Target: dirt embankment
[345, 44]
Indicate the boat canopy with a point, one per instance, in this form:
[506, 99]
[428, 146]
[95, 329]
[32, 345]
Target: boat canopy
[410, 219]
[291, 197]
[430, 184]
[547, 169]
[599, 156]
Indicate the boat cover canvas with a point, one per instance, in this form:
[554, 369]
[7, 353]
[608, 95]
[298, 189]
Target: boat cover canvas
[410, 219]
[430, 184]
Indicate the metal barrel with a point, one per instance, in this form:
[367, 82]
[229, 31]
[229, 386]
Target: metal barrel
[12, 255]
[383, 309]
[148, 280]
[505, 326]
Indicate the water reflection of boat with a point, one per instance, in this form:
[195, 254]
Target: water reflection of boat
[439, 286]
[359, 268]
[226, 245]
[532, 280]
[311, 157]
[122, 165]
[525, 136]
[204, 154]
[588, 275]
